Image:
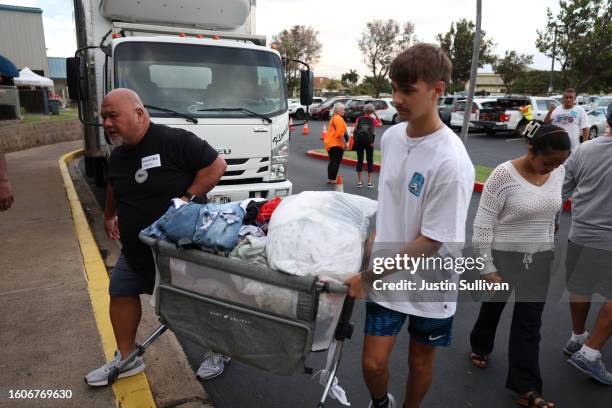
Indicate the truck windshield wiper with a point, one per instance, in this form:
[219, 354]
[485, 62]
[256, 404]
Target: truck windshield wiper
[250, 112]
[189, 118]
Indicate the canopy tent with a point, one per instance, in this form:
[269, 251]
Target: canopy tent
[27, 77]
[7, 68]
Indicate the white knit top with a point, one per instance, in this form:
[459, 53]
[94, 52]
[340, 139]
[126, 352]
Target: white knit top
[516, 215]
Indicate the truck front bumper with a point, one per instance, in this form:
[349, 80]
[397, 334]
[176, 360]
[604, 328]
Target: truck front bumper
[239, 192]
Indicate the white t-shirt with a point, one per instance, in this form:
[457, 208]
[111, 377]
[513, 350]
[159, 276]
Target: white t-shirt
[572, 120]
[424, 188]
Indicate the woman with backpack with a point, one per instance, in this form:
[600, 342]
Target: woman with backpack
[364, 141]
[335, 141]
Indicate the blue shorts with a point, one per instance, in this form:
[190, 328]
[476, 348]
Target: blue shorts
[381, 321]
[124, 281]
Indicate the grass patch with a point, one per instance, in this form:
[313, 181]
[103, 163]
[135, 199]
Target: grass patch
[482, 172]
[64, 115]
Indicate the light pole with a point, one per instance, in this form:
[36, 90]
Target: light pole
[552, 64]
[475, 56]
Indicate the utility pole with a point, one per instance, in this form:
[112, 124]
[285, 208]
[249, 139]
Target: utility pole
[552, 65]
[475, 58]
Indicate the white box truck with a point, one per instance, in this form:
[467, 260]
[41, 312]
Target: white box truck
[197, 65]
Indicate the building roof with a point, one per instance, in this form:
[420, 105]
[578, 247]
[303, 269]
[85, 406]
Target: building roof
[57, 67]
[21, 9]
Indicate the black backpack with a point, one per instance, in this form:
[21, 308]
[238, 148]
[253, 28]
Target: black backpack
[364, 132]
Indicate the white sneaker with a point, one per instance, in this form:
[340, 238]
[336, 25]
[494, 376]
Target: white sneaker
[212, 365]
[99, 376]
[391, 401]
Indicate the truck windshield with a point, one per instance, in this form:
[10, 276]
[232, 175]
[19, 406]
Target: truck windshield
[197, 79]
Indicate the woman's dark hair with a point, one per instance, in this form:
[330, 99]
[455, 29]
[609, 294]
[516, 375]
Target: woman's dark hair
[548, 138]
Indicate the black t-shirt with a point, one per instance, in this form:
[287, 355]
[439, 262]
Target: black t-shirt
[143, 195]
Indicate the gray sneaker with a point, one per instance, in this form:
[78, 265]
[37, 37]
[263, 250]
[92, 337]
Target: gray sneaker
[212, 365]
[571, 347]
[391, 401]
[99, 376]
[595, 369]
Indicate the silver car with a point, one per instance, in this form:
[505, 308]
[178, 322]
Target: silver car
[596, 119]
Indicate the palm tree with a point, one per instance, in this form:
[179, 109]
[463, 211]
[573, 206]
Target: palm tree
[351, 77]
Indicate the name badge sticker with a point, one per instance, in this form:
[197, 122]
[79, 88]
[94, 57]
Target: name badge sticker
[150, 162]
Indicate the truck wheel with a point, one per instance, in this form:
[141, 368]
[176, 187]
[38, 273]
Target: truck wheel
[520, 128]
[395, 119]
[490, 132]
[300, 114]
[592, 133]
[101, 171]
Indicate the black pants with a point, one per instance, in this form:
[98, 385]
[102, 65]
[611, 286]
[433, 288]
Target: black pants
[335, 157]
[369, 152]
[530, 286]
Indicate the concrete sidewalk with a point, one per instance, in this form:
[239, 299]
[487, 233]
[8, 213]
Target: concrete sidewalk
[54, 302]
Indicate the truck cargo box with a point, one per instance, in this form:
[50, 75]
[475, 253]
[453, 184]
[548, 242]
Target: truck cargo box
[210, 14]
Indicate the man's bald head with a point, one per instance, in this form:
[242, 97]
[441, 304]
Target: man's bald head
[125, 119]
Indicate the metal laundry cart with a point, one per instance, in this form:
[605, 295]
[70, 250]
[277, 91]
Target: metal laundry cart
[256, 315]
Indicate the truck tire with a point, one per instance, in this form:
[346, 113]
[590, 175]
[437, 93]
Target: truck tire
[300, 114]
[100, 171]
[395, 119]
[490, 132]
[520, 128]
[592, 133]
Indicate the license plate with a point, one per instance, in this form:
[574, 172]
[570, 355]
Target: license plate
[219, 199]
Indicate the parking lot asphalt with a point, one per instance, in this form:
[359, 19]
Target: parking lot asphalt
[456, 382]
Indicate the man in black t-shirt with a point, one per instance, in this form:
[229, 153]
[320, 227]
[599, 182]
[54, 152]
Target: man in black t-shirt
[150, 165]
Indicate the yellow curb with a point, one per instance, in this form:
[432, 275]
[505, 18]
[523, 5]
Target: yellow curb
[131, 391]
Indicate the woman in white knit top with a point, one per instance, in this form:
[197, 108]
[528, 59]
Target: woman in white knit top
[514, 232]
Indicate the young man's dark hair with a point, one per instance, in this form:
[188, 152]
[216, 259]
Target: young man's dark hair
[421, 62]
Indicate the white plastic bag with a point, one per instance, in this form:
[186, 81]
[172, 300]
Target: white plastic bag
[319, 233]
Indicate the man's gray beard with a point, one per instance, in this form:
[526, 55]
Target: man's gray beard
[117, 141]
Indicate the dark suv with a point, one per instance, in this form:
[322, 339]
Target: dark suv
[356, 110]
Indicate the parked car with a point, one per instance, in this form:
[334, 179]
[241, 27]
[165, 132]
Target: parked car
[603, 102]
[322, 111]
[504, 115]
[384, 109]
[596, 119]
[298, 110]
[458, 111]
[445, 106]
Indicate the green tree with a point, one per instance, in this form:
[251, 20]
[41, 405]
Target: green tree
[297, 43]
[458, 43]
[536, 82]
[583, 43]
[350, 78]
[379, 43]
[511, 67]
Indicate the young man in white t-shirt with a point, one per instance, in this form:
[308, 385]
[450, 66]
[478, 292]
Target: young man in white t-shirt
[425, 186]
[571, 118]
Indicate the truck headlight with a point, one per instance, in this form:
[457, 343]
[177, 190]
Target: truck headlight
[278, 165]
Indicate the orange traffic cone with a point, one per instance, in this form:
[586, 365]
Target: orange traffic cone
[339, 184]
[305, 130]
[323, 132]
[291, 127]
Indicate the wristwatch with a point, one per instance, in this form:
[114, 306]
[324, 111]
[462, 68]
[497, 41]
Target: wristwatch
[190, 196]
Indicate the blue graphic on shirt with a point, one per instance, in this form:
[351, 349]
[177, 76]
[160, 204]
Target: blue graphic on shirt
[416, 184]
[566, 118]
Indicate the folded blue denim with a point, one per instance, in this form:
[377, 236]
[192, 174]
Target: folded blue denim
[211, 225]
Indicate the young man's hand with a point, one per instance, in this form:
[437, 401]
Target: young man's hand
[493, 277]
[551, 107]
[355, 285]
[111, 226]
[6, 195]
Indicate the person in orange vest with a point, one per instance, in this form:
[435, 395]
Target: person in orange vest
[335, 141]
[527, 111]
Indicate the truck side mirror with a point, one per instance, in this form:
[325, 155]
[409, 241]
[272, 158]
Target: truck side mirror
[306, 87]
[75, 72]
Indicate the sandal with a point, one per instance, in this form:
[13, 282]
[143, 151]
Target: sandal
[533, 399]
[479, 361]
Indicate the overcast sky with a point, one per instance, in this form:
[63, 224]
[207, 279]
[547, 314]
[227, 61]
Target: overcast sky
[512, 25]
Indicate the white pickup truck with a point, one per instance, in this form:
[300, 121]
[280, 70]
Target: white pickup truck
[505, 115]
